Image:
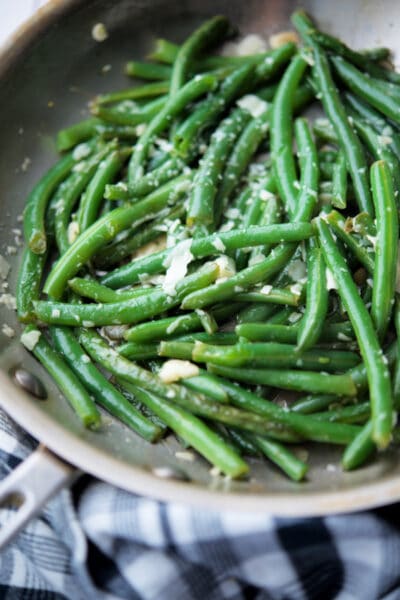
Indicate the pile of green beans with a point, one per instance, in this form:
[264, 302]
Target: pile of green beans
[201, 247]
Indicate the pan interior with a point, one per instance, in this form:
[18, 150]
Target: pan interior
[46, 85]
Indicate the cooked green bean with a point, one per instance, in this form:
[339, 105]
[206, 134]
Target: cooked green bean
[30, 275]
[210, 245]
[105, 393]
[282, 132]
[64, 377]
[313, 404]
[309, 170]
[208, 34]
[90, 288]
[312, 322]
[142, 70]
[338, 225]
[135, 116]
[267, 332]
[385, 266]
[300, 381]
[295, 468]
[360, 449]
[377, 371]
[273, 295]
[198, 86]
[349, 142]
[133, 310]
[193, 431]
[104, 230]
[148, 90]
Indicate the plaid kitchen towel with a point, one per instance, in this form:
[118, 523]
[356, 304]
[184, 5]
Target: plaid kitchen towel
[98, 542]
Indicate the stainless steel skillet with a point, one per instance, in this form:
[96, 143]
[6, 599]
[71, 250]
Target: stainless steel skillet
[47, 73]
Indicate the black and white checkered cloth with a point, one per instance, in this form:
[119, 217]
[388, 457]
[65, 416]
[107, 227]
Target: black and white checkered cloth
[96, 542]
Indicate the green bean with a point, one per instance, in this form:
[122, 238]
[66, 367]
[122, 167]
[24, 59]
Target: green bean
[30, 273]
[348, 140]
[245, 147]
[254, 313]
[205, 185]
[312, 322]
[267, 332]
[359, 59]
[378, 148]
[210, 245]
[308, 160]
[273, 295]
[134, 93]
[207, 320]
[220, 337]
[339, 182]
[148, 183]
[295, 468]
[206, 384]
[36, 206]
[385, 267]
[176, 349]
[281, 316]
[93, 196]
[282, 132]
[271, 214]
[323, 129]
[270, 354]
[244, 444]
[133, 310]
[208, 111]
[376, 120]
[143, 70]
[252, 275]
[90, 288]
[104, 230]
[338, 225]
[358, 413]
[69, 192]
[104, 392]
[313, 404]
[396, 372]
[304, 425]
[208, 34]
[200, 85]
[64, 377]
[300, 381]
[377, 93]
[135, 116]
[377, 371]
[79, 132]
[163, 51]
[138, 351]
[143, 234]
[360, 449]
[173, 326]
[195, 403]
[193, 431]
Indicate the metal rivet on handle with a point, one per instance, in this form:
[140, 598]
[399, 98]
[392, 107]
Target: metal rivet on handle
[29, 382]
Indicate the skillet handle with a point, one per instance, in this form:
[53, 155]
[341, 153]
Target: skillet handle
[29, 487]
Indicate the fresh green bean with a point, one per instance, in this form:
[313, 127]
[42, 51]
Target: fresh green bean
[377, 371]
[385, 266]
